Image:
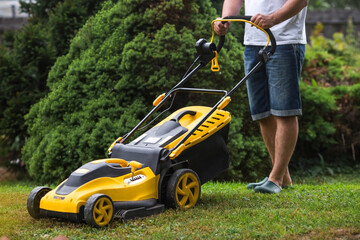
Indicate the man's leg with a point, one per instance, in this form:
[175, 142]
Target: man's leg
[280, 136]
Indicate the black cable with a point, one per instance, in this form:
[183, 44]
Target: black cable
[190, 67]
[172, 101]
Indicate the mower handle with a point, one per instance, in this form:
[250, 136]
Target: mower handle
[246, 18]
[207, 57]
[182, 114]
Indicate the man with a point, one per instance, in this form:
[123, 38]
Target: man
[273, 90]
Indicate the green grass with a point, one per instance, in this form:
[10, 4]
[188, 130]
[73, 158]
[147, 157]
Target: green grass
[316, 208]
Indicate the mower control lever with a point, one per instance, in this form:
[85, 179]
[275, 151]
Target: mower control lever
[134, 165]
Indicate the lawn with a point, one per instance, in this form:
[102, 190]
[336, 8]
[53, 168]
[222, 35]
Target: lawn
[315, 208]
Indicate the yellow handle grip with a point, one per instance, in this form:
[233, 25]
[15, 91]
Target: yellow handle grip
[158, 99]
[224, 103]
[122, 162]
[113, 144]
[177, 151]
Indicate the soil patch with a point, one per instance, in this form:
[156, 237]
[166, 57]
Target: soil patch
[337, 234]
[7, 175]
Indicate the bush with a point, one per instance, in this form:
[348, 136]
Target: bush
[121, 59]
[132, 51]
[316, 125]
[27, 57]
[23, 80]
[329, 132]
[348, 129]
[332, 62]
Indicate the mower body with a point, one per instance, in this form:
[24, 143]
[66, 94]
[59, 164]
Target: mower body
[144, 191]
[104, 176]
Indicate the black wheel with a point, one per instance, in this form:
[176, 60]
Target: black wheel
[183, 189]
[99, 210]
[33, 201]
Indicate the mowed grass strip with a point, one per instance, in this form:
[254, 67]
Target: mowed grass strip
[315, 209]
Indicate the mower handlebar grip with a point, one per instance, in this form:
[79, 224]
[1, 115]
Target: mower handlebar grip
[220, 44]
[247, 18]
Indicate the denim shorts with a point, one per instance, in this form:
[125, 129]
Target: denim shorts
[274, 88]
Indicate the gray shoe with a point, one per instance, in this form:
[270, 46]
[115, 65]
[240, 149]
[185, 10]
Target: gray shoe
[268, 187]
[253, 185]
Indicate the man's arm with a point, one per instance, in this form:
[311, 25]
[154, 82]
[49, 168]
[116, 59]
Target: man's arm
[230, 8]
[288, 10]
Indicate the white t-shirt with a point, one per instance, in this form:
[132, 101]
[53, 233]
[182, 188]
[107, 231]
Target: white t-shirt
[291, 31]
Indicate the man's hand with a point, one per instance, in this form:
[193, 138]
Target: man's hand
[288, 10]
[263, 21]
[220, 28]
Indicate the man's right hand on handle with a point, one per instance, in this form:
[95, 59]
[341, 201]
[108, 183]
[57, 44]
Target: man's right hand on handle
[221, 28]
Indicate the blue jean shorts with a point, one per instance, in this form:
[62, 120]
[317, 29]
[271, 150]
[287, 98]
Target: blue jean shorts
[274, 88]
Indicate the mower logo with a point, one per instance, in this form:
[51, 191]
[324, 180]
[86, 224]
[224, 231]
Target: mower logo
[59, 198]
[135, 179]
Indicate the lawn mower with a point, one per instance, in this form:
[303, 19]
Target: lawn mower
[163, 167]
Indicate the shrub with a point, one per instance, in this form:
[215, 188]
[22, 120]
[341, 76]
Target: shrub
[329, 133]
[28, 55]
[23, 80]
[316, 130]
[348, 129]
[120, 60]
[332, 62]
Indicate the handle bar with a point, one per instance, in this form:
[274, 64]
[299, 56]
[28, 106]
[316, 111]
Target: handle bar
[247, 19]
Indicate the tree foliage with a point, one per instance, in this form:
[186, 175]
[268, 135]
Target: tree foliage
[328, 4]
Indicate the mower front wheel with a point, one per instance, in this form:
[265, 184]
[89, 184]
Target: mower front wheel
[33, 201]
[99, 210]
[183, 189]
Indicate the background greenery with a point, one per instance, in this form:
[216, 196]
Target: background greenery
[26, 58]
[82, 73]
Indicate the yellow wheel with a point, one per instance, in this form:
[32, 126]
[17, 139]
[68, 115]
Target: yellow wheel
[99, 210]
[183, 190]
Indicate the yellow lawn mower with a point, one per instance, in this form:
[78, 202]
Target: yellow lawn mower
[163, 167]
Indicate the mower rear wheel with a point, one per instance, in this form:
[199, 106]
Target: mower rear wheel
[33, 201]
[183, 189]
[99, 210]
